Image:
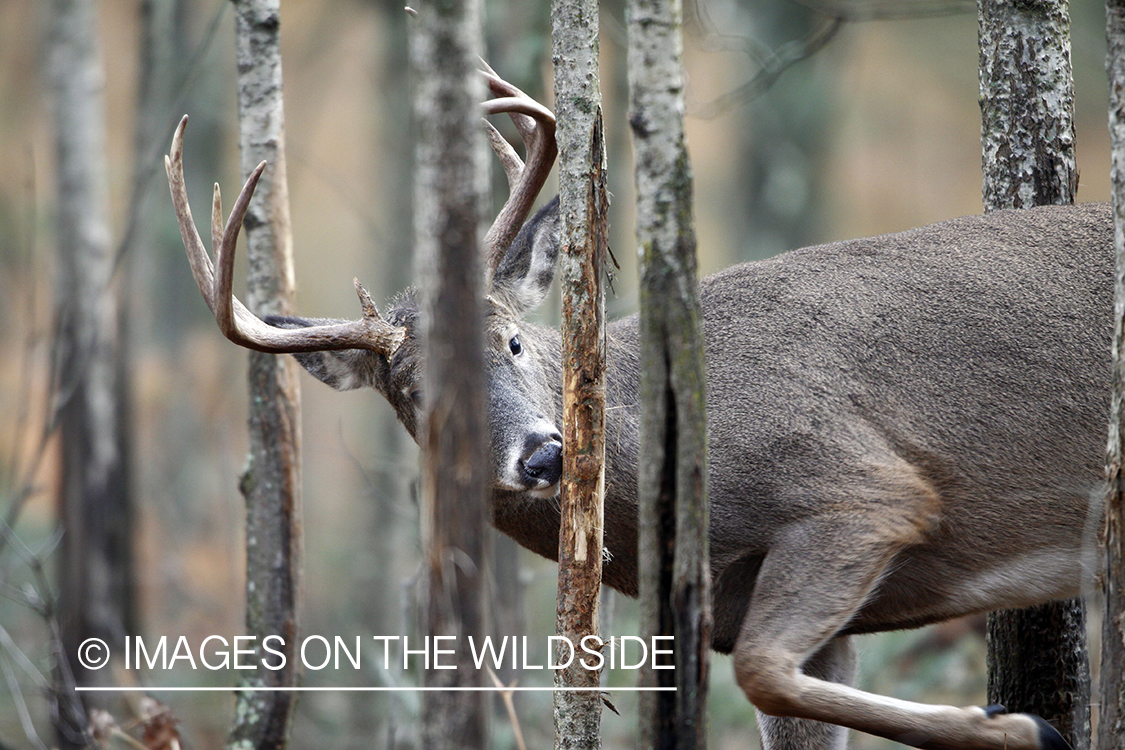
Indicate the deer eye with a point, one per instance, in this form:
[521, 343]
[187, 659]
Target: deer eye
[515, 345]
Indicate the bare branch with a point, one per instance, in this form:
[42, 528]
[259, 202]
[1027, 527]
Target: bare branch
[772, 64]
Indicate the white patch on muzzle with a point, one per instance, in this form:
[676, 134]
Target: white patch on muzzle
[513, 473]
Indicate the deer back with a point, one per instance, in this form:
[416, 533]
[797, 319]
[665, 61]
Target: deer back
[962, 369]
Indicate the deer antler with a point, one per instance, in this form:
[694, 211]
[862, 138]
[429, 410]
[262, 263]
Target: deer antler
[536, 126]
[237, 322]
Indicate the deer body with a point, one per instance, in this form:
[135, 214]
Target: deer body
[950, 383]
[903, 429]
[954, 379]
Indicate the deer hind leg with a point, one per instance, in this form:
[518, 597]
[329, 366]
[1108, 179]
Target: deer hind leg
[835, 662]
[813, 580]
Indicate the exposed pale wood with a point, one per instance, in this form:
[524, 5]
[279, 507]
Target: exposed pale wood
[582, 256]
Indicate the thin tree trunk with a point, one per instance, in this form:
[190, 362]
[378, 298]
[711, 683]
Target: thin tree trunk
[449, 199]
[392, 532]
[95, 556]
[1037, 657]
[271, 483]
[582, 257]
[151, 131]
[1111, 719]
[507, 602]
[672, 475]
[1027, 104]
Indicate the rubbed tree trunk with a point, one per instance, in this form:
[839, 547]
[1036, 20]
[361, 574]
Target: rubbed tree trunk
[582, 257]
[1111, 719]
[1037, 657]
[271, 483]
[95, 556]
[449, 199]
[672, 475]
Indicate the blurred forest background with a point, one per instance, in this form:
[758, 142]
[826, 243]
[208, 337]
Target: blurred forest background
[877, 131]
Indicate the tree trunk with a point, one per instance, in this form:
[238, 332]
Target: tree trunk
[672, 474]
[271, 482]
[449, 199]
[1037, 657]
[1027, 104]
[96, 588]
[1111, 719]
[582, 257]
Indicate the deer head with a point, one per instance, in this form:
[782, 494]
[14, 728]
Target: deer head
[384, 353]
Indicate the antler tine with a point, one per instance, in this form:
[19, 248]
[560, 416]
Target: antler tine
[200, 261]
[509, 159]
[234, 319]
[224, 240]
[501, 89]
[536, 125]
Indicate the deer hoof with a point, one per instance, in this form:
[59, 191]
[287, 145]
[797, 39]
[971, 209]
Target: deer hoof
[1049, 737]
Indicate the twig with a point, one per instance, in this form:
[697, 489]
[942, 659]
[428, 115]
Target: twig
[771, 65]
[19, 657]
[21, 705]
[888, 10]
[510, 707]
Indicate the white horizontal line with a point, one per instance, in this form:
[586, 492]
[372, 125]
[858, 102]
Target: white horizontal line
[353, 689]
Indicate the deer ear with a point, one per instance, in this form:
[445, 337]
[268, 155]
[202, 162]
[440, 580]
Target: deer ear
[528, 268]
[343, 370]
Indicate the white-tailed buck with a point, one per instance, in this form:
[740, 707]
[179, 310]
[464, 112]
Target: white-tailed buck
[903, 429]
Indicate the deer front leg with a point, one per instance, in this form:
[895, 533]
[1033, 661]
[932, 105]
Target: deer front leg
[812, 581]
[835, 662]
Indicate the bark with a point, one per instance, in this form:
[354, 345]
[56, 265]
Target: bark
[1111, 720]
[1037, 657]
[583, 242]
[392, 534]
[507, 603]
[271, 482]
[672, 474]
[449, 200]
[96, 588]
[1027, 104]
[154, 82]
[1037, 663]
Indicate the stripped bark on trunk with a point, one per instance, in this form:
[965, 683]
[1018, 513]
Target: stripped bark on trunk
[1037, 657]
[271, 482]
[672, 473]
[449, 198]
[582, 257]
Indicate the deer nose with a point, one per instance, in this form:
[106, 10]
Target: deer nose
[544, 466]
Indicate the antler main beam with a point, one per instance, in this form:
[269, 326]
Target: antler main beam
[536, 126]
[237, 322]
